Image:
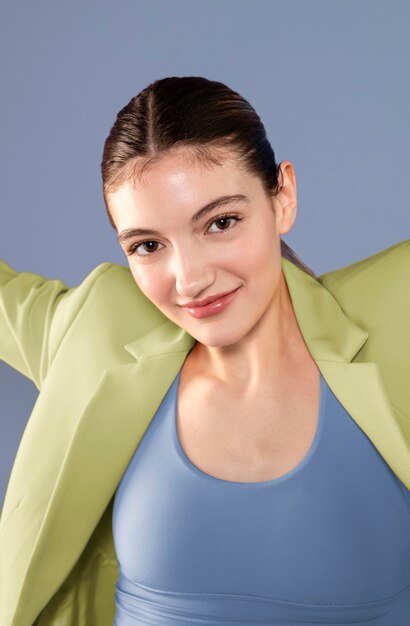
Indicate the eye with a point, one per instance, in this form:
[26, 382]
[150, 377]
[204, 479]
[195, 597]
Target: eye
[221, 218]
[135, 247]
[224, 218]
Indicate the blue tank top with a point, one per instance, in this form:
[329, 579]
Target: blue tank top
[326, 543]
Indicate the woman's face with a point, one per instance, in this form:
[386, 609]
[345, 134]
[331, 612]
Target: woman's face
[233, 246]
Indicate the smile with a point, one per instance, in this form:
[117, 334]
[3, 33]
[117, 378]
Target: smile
[217, 306]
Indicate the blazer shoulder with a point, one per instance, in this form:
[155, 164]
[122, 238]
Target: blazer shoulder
[390, 265]
[117, 284]
[119, 309]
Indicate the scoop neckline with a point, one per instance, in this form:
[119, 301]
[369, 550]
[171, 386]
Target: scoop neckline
[201, 474]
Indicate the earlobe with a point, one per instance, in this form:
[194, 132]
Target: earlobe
[285, 212]
[286, 217]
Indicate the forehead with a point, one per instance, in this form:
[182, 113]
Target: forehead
[199, 158]
[179, 182]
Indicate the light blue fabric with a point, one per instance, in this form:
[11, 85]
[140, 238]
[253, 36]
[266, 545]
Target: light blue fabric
[326, 543]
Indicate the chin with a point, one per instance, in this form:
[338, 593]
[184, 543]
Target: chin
[218, 338]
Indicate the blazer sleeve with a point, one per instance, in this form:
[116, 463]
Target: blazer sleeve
[35, 314]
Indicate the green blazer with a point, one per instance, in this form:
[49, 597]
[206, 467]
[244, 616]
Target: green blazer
[103, 357]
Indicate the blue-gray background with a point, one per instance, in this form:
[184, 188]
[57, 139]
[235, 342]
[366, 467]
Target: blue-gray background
[330, 80]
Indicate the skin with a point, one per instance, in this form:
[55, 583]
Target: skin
[256, 340]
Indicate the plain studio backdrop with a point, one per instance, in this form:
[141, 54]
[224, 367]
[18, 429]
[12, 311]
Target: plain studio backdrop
[330, 81]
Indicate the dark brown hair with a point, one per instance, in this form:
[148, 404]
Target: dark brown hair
[195, 113]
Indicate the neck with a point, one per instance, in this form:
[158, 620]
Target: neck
[269, 351]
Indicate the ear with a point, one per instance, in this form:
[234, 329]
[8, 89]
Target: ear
[286, 199]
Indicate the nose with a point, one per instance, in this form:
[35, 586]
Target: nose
[193, 273]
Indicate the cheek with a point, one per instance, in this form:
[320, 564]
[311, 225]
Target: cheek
[255, 256]
[149, 283]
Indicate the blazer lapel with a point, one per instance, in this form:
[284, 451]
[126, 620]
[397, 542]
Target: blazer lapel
[334, 341]
[127, 396]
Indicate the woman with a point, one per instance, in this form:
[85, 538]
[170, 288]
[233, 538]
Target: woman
[243, 460]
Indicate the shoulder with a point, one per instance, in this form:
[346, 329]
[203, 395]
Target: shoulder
[117, 309]
[116, 285]
[388, 266]
[374, 292]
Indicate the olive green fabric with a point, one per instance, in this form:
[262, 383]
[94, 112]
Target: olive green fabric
[103, 358]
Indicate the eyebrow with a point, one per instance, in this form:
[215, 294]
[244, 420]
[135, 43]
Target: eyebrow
[128, 233]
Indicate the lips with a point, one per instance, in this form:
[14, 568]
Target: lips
[200, 303]
[214, 307]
